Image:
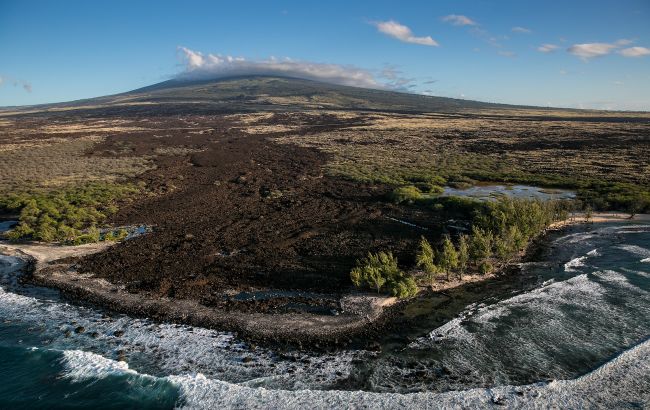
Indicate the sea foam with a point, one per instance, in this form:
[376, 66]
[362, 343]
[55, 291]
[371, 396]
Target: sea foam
[619, 382]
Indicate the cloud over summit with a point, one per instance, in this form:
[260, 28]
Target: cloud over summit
[199, 66]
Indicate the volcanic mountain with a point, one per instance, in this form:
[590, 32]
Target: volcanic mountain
[261, 93]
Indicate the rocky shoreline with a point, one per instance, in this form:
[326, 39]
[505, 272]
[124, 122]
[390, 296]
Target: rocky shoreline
[360, 313]
[360, 316]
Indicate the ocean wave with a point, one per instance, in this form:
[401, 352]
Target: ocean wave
[614, 384]
[593, 253]
[635, 250]
[574, 263]
[166, 348]
[546, 298]
[81, 365]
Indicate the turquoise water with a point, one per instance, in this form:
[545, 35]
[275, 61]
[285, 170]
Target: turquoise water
[581, 315]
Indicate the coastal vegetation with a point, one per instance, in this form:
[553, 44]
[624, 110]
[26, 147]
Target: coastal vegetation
[70, 216]
[379, 271]
[500, 231]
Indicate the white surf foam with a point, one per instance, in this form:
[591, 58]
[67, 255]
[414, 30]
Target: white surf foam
[619, 382]
[593, 253]
[80, 365]
[168, 348]
[573, 264]
[635, 250]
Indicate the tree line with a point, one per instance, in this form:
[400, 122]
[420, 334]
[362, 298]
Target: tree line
[500, 231]
[70, 216]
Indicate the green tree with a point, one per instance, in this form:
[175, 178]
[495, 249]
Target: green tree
[375, 278]
[30, 213]
[480, 245]
[448, 257]
[380, 270]
[425, 260]
[357, 276]
[46, 229]
[463, 255]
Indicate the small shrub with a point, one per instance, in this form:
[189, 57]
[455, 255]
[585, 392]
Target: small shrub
[405, 288]
[485, 267]
[408, 194]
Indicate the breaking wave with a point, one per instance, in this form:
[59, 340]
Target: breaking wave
[629, 370]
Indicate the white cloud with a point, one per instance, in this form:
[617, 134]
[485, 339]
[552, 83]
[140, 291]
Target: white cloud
[591, 50]
[403, 33]
[522, 30]
[193, 59]
[635, 52]
[459, 20]
[199, 66]
[506, 53]
[547, 48]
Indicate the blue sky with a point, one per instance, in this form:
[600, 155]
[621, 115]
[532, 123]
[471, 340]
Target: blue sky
[590, 54]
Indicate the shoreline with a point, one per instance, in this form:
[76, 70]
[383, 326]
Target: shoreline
[361, 314]
[49, 266]
[598, 217]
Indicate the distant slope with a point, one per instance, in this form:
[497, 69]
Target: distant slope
[255, 93]
[298, 93]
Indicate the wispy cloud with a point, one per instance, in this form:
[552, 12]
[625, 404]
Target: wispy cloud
[635, 52]
[459, 20]
[25, 85]
[522, 30]
[591, 50]
[199, 66]
[403, 33]
[506, 53]
[395, 79]
[547, 48]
